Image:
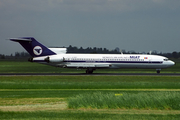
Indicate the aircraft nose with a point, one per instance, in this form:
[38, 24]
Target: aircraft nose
[172, 63]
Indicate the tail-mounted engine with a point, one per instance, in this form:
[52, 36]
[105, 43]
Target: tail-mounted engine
[54, 59]
[48, 59]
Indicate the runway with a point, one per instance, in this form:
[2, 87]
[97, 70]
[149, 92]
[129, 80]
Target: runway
[94, 74]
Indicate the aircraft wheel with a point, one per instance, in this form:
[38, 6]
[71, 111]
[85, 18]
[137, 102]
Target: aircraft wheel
[89, 71]
[158, 71]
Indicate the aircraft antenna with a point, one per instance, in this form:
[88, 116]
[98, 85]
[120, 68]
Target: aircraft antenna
[121, 52]
[150, 52]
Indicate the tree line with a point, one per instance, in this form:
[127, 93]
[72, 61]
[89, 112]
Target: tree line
[95, 50]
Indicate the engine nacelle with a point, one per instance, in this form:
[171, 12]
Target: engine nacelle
[54, 58]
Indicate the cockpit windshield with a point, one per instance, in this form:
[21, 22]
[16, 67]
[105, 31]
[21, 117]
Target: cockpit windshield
[166, 59]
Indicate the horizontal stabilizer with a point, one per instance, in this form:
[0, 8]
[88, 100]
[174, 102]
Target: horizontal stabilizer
[20, 39]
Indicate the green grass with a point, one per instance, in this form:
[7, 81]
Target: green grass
[124, 100]
[45, 93]
[89, 82]
[26, 67]
[46, 97]
[82, 115]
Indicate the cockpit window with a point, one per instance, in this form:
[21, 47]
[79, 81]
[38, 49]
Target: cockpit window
[166, 59]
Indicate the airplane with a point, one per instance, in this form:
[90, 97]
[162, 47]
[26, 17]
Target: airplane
[58, 57]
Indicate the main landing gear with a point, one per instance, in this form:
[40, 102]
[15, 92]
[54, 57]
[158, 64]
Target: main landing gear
[89, 71]
[158, 71]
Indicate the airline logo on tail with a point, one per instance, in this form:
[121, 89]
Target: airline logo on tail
[33, 47]
[37, 50]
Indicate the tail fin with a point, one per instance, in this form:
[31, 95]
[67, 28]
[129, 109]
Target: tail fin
[33, 47]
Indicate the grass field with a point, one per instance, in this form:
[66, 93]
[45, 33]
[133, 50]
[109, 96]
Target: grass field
[125, 100]
[49, 97]
[103, 97]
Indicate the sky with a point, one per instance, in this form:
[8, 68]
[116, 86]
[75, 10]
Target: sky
[139, 25]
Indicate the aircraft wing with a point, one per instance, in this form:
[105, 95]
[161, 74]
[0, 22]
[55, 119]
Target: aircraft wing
[88, 65]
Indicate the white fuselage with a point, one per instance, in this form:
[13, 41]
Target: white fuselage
[106, 61]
